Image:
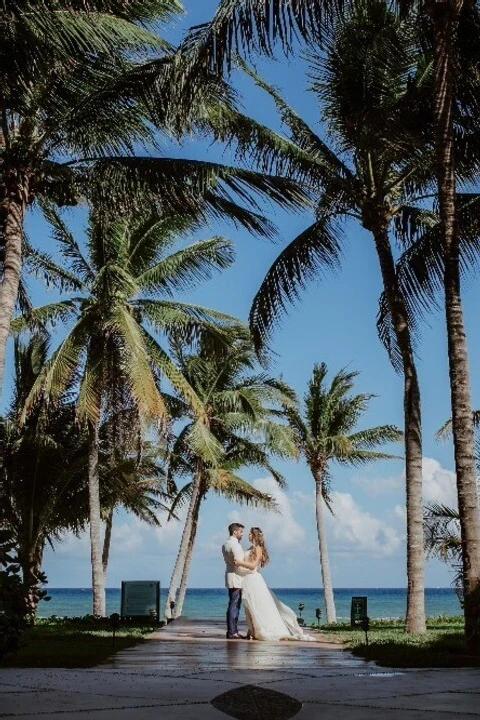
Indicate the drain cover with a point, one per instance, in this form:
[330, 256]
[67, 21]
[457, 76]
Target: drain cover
[255, 703]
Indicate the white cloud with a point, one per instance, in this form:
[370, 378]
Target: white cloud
[130, 536]
[380, 486]
[281, 529]
[400, 512]
[300, 498]
[355, 530]
[438, 483]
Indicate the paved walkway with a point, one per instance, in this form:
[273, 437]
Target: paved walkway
[188, 671]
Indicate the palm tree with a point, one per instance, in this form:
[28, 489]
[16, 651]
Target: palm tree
[74, 126]
[245, 431]
[372, 83]
[247, 26]
[447, 19]
[42, 487]
[127, 266]
[134, 481]
[325, 432]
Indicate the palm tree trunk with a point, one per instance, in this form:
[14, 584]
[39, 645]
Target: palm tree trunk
[188, 558]
[176, 578]
[107, 541]
[444, 15]
[13, 213]
[98, 580]
[323, 548]
[31, 564]
[415, 618]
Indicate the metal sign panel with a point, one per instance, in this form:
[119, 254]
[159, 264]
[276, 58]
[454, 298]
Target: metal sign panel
[358, 610]
[140, 598]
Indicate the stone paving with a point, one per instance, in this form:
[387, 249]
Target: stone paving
[188, 666]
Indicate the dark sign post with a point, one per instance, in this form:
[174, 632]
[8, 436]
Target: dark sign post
[358, 610]
[115, 624]
[300, 619]
[140, 599]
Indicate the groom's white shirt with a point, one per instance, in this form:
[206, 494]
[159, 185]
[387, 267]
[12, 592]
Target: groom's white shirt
[232, 550]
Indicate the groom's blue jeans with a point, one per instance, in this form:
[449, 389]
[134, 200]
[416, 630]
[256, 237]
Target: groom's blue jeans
[233, 610]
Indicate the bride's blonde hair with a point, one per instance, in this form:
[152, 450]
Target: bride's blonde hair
[259, 541]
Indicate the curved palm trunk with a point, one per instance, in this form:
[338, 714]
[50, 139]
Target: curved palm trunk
[98, 580]
[323, 548]
[176, 578]
[444, 16]
[415, 618]
[107, 541]
[13, 216]
[188, 558]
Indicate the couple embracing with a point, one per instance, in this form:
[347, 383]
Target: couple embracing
[267, 617]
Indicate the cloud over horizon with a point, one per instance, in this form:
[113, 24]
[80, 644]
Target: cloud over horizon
[367, 524]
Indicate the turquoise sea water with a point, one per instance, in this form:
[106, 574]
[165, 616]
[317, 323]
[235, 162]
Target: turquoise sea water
[211, 603]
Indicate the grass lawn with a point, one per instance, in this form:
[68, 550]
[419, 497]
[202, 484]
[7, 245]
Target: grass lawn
[388, 644]
[71, 643]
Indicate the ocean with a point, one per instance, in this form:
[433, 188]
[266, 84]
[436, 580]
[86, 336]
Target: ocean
[211, 603]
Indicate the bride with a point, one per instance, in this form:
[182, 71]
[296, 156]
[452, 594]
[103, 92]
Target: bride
[267, 617]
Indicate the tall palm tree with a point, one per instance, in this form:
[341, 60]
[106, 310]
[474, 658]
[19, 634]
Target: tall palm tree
[447, 23]
[116, 313]
[244, 426]
[373, 86]
[325, 432]
[249, 26]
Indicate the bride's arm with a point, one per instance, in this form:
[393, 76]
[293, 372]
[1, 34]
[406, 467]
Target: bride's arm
[254, 563]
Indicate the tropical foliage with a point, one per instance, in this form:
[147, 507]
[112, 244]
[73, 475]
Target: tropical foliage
[450, 31]
[244, 429]
[442, 539]
[148, 403]
[117, 309]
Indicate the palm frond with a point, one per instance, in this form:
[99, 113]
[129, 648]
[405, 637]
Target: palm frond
[190, 187]
[42, 317]
[187, 267]
[372, 437]
[55, 376]
[250, 26]
[137, 360]
[204, 443]
[315, 251]
[69, 247]
[233, 487]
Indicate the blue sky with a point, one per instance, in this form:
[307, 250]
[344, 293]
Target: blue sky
[335, 323]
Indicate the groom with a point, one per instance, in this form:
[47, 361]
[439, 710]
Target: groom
[232, 550]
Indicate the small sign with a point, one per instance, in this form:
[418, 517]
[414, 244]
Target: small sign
[140, 598]
[358, 610]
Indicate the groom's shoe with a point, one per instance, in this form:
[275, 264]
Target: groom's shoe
[233, 637]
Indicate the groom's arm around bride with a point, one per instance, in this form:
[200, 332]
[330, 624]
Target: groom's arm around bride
[232, 550]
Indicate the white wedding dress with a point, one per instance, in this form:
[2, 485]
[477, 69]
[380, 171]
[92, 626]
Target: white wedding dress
[267, 617]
